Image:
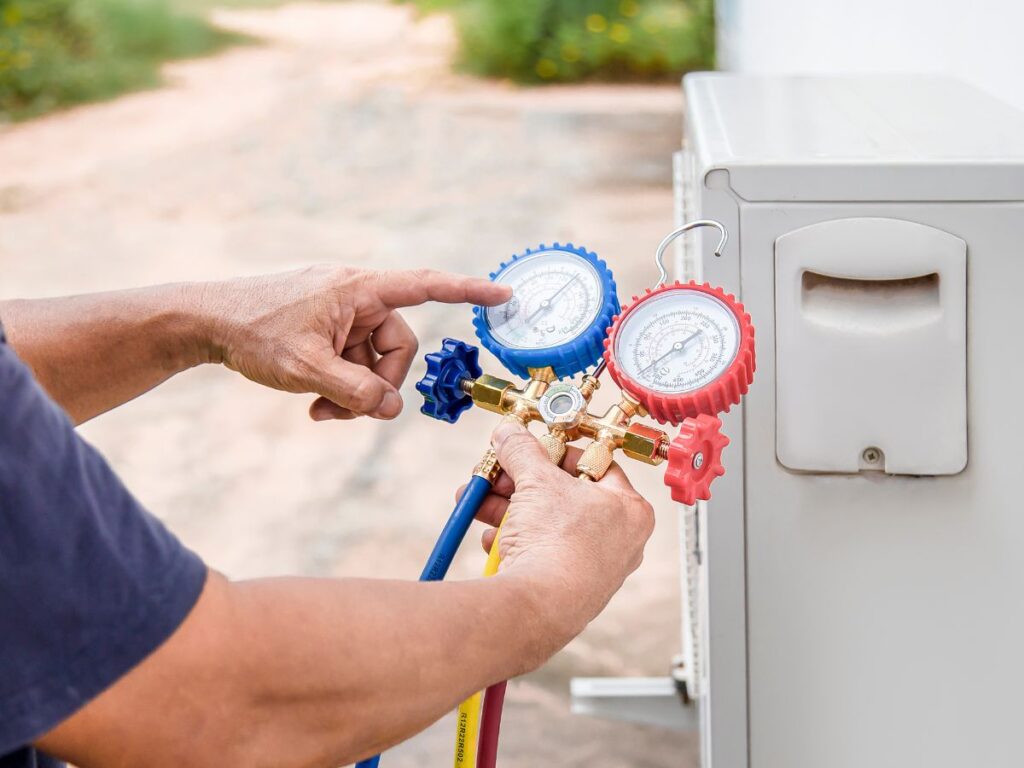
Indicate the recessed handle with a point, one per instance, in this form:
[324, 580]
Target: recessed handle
[871, 306]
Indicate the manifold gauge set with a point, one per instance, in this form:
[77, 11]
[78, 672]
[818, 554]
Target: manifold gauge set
[680, 353]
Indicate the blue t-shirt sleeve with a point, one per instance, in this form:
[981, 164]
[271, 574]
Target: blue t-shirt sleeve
[90, 583]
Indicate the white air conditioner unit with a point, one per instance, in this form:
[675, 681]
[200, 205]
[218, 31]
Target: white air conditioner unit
[859, 573]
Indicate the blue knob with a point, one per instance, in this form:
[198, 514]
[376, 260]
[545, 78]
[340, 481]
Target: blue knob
[443, 397]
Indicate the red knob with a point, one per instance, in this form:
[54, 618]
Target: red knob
[695, 459]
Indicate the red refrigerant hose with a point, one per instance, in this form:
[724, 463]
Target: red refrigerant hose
[490, 724]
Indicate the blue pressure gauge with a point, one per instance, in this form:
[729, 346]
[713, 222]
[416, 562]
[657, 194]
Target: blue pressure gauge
[563, 300]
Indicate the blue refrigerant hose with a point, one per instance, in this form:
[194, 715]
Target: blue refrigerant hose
[454, 530]
[447, 545]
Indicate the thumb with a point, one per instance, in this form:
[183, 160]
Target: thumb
[520, 454]
[356, 388]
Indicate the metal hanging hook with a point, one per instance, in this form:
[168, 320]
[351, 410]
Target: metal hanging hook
[659, 256]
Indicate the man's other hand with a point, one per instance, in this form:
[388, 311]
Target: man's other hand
[574, 541]
[331, 331]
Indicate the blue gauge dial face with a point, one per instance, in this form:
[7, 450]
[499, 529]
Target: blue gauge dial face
[677, 341]
[556, 296]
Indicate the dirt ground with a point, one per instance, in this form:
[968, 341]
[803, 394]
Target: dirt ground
[344, 136]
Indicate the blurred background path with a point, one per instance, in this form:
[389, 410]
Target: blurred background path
[343, 136]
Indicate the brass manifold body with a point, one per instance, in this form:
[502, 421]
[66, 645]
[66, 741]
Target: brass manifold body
[563, 407]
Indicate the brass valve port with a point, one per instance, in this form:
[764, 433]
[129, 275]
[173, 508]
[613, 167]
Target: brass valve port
[594, 461]
[554, 443]
[562, 406]
[489, 392]
[645, 444]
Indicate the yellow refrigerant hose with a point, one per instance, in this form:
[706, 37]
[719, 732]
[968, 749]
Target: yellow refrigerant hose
[468, 728]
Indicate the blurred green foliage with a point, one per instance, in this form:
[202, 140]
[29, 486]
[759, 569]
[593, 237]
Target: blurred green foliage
[56, 53]
[564, 40]
[60, 52]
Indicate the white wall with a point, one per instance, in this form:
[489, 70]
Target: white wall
[980, 41]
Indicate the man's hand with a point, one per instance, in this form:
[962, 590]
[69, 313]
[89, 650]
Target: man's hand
[331, 331]
[238, 685]
[577, 541]
[328, 330]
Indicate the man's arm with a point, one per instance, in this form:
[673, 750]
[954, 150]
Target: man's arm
[303, 673]
[94, 352]
[330, 331]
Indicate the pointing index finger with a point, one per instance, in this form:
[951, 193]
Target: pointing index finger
[407, 288]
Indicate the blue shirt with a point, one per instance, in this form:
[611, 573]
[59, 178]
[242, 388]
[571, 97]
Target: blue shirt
[90, 583]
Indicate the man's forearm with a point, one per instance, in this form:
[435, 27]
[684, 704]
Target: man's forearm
[311, 672]
[93, 352]
[378, 661]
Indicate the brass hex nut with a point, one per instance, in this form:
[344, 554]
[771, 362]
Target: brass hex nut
[489, 392]
[642, 443]
[545, 374]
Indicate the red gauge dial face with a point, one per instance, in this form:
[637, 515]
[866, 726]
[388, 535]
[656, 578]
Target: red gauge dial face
[673, 348]
[677, 341]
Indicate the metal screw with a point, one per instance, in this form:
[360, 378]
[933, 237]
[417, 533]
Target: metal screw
[698, 460]
[871, 455]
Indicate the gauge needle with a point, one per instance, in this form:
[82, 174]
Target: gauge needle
[546, 303]
[676, 348]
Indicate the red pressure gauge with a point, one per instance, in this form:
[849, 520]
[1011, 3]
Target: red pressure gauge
[682, 350]
[685, 352]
